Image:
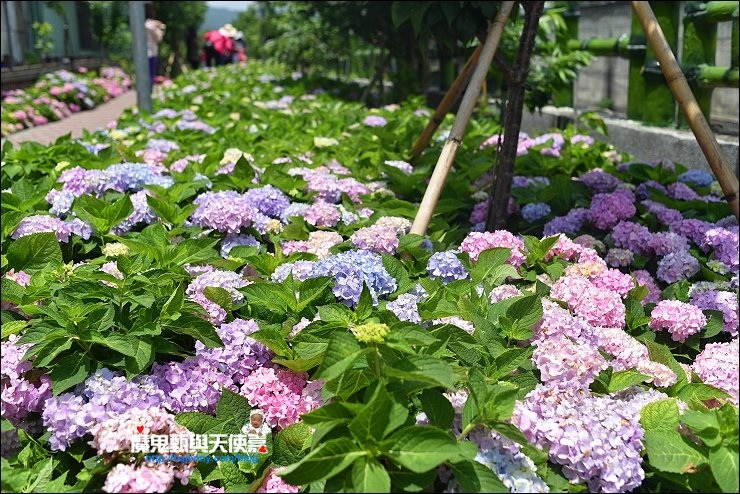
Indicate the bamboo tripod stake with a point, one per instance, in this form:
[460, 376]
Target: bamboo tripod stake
[444, 106]
[686, 101]
[447, 156]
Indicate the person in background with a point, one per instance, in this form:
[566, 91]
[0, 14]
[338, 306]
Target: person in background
[219, 45]
[154, 35]
[240, 49]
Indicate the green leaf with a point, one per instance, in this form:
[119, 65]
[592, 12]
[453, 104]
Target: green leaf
[396, 269]
[219, 296]
[527, 311]
[365, 304]
[378, 418]
[437, 408]
[174, 302]
[336, 313]
[487, 262]
[143, 355]
[661, 415]
[714, 325]
[368, 475]
[624, 379]
[271, 296]
[670, 452]
[197, 328]
[421, 448]
[431, 370]
[270, 336]
[326, 461]
[696, 393]
[474, 477]
[724, 464]
[32, 252]
[290, 442]
[70, 371]
[341, 354]
[13, 327]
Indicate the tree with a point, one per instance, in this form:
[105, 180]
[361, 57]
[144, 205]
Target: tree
[178, 16]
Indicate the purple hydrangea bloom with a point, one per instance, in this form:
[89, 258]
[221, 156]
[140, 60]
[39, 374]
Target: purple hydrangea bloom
[643, 190]
[682, 192]
[663, 243]
[142, 213]
[375, 121]
[62, 229]
[608, 209]
[268, 200]
[22, 391]
[571, 223]
[226, 211]
[599, 181]
[722, 301]
[162, 145]
[725, 242]
[61, 201]
[677, 266]
[632, 236]
[446, 266]
[405, 307]
[693, 229]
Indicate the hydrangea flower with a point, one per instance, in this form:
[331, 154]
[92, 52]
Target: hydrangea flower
[225, 211]
[535, 211]
[599, 181]
[677, 266]
[273, 483]
[227, 280]
[322, 214]
[405, 307]
[717, 365]
[477, 242]
[446, 266]
[609, 209]
[678, 318]
[377, 238]
[62, 229]
[375, 121]
[23, 392]
[722, 301]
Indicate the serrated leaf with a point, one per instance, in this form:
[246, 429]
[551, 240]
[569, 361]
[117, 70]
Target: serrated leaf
[474, 477]
[661, 415]
[288, 447]
[624, 379]
[670, 452]
[69, 372]
[487, 262]
[379, 417]
[341, 353]
[32, 252]
[437, 408]
[368, 475]
[421, 448]
[724, 464]
[219, 296]
[429, 370]
[324, 462]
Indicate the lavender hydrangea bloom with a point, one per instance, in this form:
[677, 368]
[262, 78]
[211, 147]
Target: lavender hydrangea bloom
[22, 392]
[663, 243]
[62, 229]
[599, 181]
[608, 209]
[722, 301]
[405, 307]
[119, 177]
[725, 242]
[268, 200]
[534, 211]
[571, 223]
[677, 266]
[596, 439]
[643, 190]
[162, 145]
[682, 192]
[632, 236]
[301, 270]
[142, 213]
[60, 200]
[446, 266]
[226, 211]
[375, 121]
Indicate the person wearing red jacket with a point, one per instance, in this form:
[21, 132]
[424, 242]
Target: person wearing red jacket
[219, 45]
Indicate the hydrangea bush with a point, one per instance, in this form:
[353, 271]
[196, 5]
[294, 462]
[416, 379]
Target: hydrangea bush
[247, 246]
[59, 94]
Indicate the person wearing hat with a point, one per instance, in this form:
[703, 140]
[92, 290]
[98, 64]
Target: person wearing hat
[219, 45]
[257, 426]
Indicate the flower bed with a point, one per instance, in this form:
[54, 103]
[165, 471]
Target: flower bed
[246, 247]
[59, 94]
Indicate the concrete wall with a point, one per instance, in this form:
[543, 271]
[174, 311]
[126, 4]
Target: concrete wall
[606, 77]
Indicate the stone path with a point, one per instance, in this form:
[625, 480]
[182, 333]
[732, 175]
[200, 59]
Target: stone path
[90, 120]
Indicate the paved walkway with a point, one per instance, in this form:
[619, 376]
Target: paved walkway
[92, 119]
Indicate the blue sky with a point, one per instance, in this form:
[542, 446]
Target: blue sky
[238, 5]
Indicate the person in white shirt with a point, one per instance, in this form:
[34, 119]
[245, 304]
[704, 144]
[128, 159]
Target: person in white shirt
[154, 34]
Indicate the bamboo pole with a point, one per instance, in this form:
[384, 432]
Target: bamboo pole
[444, 106]
[446, 158]
[686, 101]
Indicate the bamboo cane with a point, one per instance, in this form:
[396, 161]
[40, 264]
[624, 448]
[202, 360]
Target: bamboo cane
[686, 101]
[446, 158]
[444, 106]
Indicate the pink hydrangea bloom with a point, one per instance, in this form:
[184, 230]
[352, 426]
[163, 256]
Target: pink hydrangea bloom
[322, 214]
[679, 318]
[717, 365]
[477, 242]
[598, 306]
[273, 483]
[615, 280]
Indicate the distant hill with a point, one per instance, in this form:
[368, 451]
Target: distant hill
[215, 18]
